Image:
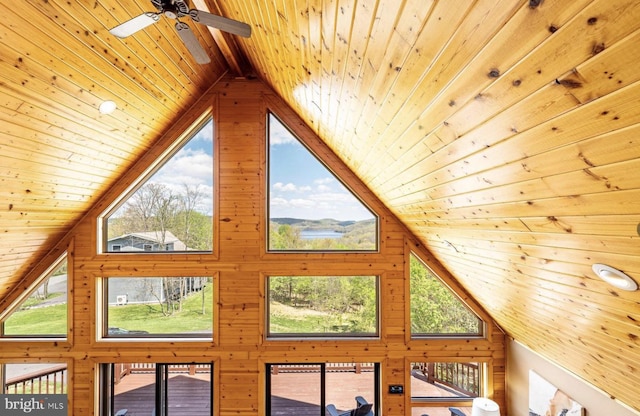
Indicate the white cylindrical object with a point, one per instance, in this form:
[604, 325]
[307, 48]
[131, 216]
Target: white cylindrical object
[484, 407]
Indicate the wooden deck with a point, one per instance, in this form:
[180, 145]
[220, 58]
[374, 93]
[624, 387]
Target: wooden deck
[299, 393]
[293, 394]
[189, 395]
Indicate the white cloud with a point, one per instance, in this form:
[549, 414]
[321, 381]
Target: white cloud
[193, 168]
[301, 203]
[279, 202]
[289, 187]
[337, 197]
[324, 181]
[320, 203]
[205, 134]
[187, 167]
[278, 134]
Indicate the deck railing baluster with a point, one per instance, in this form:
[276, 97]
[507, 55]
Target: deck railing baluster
[26, 383]
[459, 376]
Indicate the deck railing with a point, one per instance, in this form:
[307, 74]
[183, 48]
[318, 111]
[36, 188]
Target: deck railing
[329, 367]
[462, 377]
[123, 369]
[52, 380]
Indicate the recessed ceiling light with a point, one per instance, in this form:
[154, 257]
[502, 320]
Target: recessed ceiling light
[107, 107]
[614, 277]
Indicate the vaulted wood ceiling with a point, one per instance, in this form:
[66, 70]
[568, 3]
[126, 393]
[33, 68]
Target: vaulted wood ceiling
[503, 133]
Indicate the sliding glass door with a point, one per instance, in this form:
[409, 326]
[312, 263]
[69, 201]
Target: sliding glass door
[306, 389]
[157, 389]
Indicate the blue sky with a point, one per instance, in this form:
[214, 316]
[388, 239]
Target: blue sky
[299, 185]
[192, 166]
[302, 187]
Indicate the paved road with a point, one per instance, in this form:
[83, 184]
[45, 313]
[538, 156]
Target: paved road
[15, 370]
[57, 284]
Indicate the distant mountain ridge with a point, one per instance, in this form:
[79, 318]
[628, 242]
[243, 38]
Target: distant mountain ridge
[323, 224]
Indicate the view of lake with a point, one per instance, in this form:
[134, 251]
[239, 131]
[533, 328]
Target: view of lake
[314, 234]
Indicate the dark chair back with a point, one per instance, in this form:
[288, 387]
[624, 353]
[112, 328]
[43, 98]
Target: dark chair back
[362, 410]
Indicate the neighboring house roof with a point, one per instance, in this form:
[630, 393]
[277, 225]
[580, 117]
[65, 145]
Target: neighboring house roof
[153, 237]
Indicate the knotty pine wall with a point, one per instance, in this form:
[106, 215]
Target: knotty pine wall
[239, 265]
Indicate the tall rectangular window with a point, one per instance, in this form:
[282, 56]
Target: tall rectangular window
[322, 306]
[169, 389]
[309, 388]
[435, 386]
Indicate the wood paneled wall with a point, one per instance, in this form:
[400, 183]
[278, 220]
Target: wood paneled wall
[239, 264]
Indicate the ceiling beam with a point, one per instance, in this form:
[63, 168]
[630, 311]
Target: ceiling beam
[228, 46]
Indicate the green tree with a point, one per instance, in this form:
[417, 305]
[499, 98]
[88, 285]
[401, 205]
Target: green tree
[286, 237]
[156, 208]
[349, 302]
[281, 288]
[191, 226]
[435, 309]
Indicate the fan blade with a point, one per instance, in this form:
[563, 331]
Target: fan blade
[191, 42]
[228, 25]
[182, 7]
[158, 5]
[137, 23]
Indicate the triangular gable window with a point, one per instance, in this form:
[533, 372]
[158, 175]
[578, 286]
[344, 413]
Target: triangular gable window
[309, 207]
[42, 310]
[171, 207]
[435, 309]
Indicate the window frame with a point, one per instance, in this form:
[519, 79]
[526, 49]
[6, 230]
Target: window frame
[482, 323]
[57, 364]
[268, 336]
[104, 403]
[65, 257]
[102, 315]
[377, 381]
[484, 367]
[267, 227]
[157, 164]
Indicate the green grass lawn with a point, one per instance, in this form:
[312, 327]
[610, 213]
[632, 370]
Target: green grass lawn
[52, 320]
[295, 325]
[149, 317]
[48, 320]
[285, 319]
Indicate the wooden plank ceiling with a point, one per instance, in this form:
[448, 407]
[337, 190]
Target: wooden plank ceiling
[503, 133]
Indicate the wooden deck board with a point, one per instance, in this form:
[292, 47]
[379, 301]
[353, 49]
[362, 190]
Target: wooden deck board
[293, 394]
[188, 395]
[299, 393]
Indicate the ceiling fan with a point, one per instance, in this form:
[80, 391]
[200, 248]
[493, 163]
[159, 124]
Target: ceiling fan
[175, 9]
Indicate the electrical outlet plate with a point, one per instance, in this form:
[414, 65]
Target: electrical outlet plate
[396, 389]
